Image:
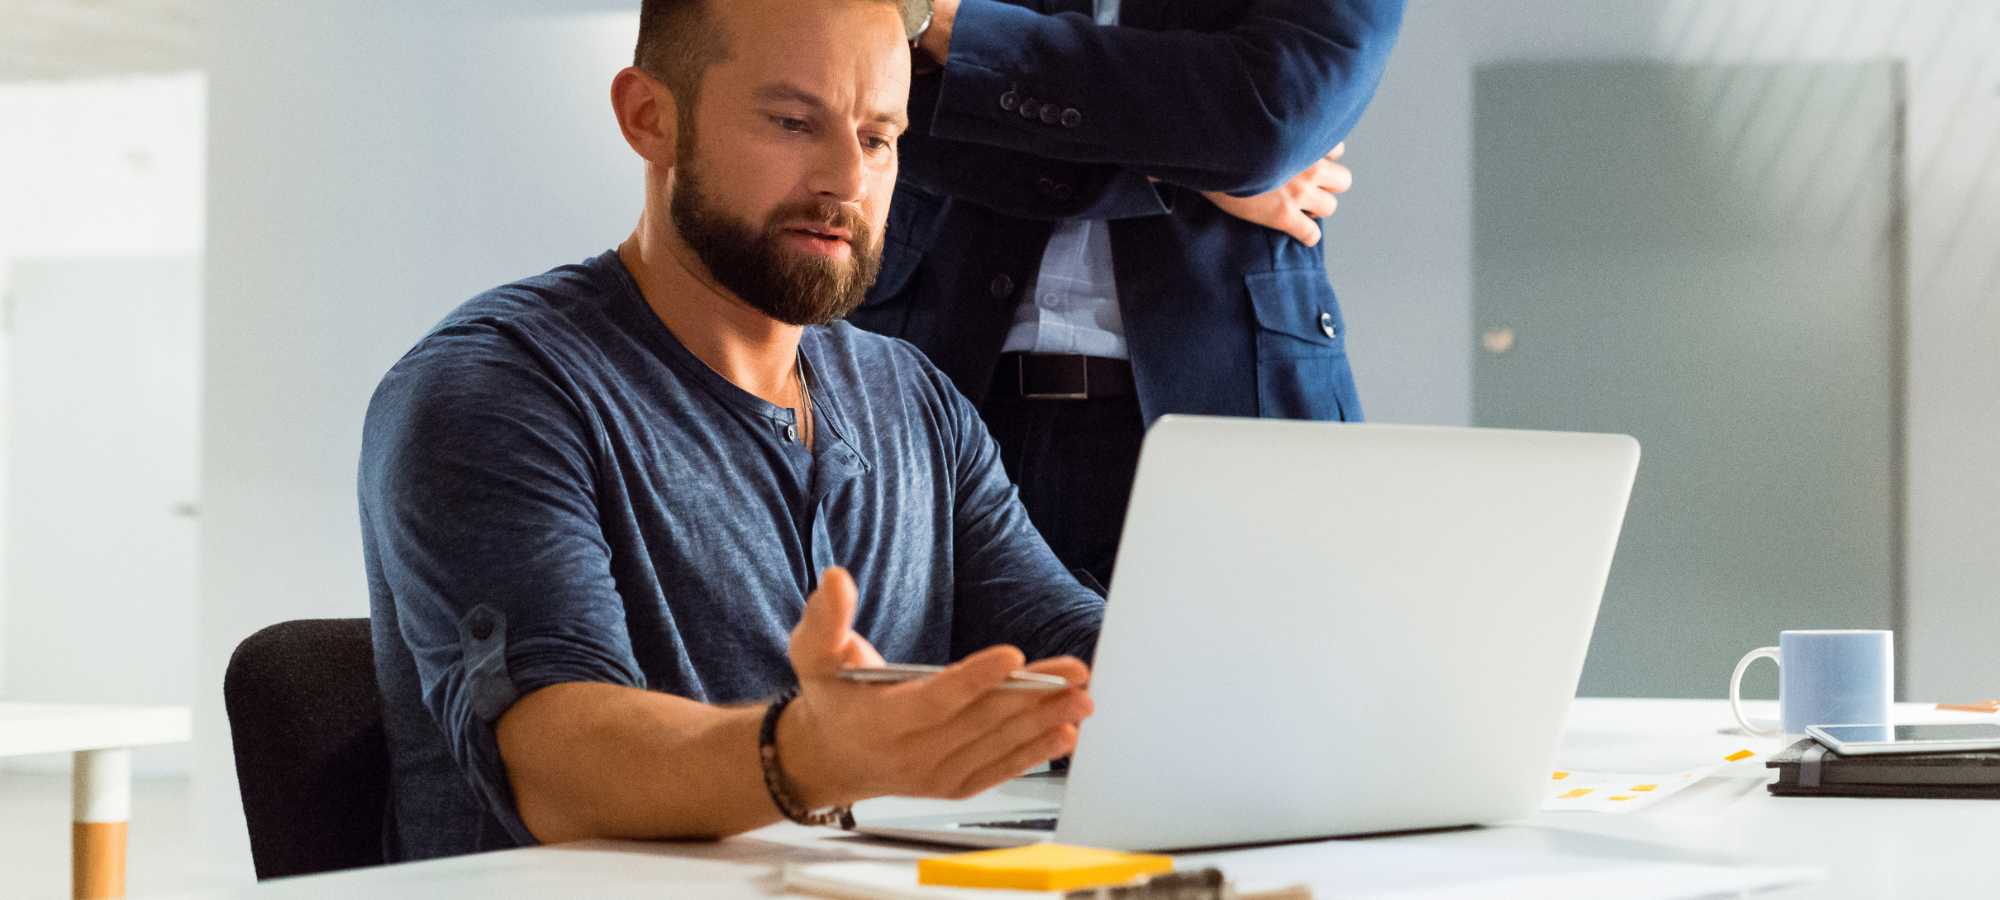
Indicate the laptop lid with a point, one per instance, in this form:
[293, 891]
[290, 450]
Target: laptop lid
[1320, 629]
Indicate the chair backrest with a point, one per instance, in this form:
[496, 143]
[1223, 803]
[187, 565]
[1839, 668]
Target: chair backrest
[311, 757]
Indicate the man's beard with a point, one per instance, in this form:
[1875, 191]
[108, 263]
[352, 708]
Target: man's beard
[791, 287]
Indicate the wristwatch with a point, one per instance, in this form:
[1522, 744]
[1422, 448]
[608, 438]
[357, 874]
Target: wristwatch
[916, 20]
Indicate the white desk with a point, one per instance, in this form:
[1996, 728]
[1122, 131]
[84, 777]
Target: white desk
[101, 739]
[1870, 848]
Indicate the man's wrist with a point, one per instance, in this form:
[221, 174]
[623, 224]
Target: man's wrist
[816, 779]
[936, 40]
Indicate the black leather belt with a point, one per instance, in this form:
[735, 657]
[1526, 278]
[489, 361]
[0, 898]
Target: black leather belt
[1052, 376]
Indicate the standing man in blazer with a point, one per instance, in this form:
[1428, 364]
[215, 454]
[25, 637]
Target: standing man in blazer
[1108, 212]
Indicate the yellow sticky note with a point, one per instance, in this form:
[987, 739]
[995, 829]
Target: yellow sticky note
[1573, 794]
[1560, 776]
[1645, 787]
[1738, 755]
[1622, 797]
[1040, 867]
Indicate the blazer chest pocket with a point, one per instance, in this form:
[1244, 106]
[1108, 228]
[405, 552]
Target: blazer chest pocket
[1302, 369]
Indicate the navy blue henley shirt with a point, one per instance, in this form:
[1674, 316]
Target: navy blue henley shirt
[553, 489]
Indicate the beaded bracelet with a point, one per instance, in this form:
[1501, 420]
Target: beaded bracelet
[781, 787]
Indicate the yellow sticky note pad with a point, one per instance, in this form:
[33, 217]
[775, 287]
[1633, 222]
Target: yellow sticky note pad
[1040, 867]
[1622, 797]
[1645, 787]
[1560, 776]
[1739, 755]
[1573, 794]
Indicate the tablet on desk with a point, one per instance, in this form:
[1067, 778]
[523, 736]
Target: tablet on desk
[1863, 740]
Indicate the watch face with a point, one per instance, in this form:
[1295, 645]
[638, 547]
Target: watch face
[916, 17]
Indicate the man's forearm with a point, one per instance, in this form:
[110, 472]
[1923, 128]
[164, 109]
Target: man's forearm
[1014, 182]
[1238, 109]
[604, 761]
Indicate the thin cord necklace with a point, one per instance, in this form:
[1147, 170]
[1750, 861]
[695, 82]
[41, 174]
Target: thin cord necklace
[805, 399]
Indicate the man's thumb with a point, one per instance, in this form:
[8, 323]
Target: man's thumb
[820, 640]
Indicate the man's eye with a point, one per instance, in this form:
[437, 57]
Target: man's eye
[795, 126]
[878, 143]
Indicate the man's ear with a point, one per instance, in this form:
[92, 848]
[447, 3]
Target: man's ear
[647, 114]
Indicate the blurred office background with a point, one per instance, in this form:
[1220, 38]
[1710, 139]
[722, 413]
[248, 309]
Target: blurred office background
[1764, 237]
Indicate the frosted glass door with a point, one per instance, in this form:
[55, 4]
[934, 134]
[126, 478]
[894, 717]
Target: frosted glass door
[1705, 258]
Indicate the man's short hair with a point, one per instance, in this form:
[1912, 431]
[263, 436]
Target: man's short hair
[678, 41]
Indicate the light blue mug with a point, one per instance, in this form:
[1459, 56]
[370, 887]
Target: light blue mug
[1830, 677]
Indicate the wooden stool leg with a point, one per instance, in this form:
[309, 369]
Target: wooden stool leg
[102, 803]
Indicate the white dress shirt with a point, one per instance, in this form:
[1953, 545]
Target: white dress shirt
[1072, 304]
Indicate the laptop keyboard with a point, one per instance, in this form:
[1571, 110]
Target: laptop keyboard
[1048, 824]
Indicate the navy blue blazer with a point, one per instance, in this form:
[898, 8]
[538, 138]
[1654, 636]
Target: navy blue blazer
[1043, 115]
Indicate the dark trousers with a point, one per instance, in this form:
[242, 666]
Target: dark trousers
[1073, 461]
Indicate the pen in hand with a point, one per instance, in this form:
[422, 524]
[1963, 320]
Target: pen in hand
[899, 673]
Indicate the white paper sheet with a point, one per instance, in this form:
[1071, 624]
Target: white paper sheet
[1627, 792]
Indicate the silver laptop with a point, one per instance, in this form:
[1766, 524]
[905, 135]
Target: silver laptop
[1321, 629]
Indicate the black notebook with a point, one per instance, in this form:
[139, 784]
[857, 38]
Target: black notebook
[1806, 769]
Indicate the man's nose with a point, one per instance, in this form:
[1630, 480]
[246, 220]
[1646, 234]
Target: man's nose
[840, 171]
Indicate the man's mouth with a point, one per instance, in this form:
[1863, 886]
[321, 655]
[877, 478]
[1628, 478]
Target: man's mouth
[825, 233]
[823, 240]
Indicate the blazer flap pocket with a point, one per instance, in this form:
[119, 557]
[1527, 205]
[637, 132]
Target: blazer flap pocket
[1299, 303]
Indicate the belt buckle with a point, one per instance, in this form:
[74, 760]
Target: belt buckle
[1021, 379]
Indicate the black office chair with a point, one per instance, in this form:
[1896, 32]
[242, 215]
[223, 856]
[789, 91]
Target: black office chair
[311, 757]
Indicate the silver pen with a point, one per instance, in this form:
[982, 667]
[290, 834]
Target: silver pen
[897, 673]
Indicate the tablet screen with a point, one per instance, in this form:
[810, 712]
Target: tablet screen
[1877, 734]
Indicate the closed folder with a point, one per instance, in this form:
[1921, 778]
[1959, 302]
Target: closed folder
[1806, 769]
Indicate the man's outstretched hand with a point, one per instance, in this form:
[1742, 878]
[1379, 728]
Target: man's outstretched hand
[1296, 206]
[951, 735]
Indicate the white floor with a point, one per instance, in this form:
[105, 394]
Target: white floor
[34, 837]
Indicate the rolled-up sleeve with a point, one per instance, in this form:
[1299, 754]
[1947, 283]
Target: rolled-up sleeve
[478, 489]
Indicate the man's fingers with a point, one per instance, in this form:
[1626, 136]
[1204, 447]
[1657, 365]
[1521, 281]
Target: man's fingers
[1333, 177]
[1065, 667]
[1302, 228]
[1318, 204]
[1002, 719]
[942, 697]
[824, 639]
[1041, 748]
[1339, 150]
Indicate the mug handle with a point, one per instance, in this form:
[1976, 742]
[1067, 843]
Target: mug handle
[1758, 727]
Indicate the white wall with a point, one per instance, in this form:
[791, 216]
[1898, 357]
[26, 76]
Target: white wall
[103, 466]
[373, 165]
[6, 455]
[1401, 246]
[106, 170]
